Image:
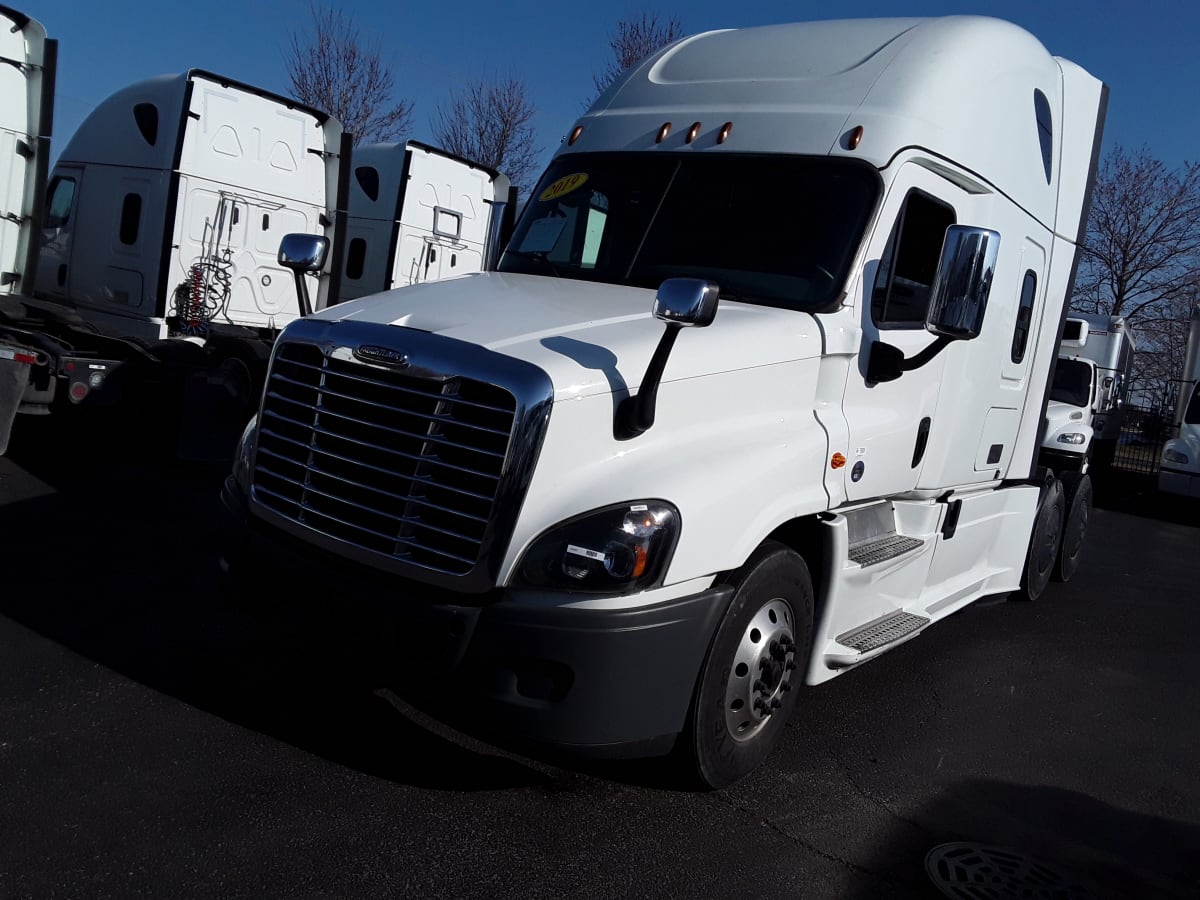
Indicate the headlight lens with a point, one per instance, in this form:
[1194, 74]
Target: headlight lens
[1073, 438]
[615, 550]
[1176, 457]
[245, 451]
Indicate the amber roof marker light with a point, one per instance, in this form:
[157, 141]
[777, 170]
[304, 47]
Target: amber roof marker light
[692, 132]
[723, 134]
[855, 137]
[575, 133]
[662, 133]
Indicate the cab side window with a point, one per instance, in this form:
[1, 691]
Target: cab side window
[58, 206]
[900, 296]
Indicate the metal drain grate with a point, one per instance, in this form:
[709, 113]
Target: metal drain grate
[977, 872]
[882, 631]
[884, 549]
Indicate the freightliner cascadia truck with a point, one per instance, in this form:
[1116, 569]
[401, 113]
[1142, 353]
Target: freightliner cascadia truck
[754, 394]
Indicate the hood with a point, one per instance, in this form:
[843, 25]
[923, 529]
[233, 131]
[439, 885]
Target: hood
[590, 338]
[1059, 412]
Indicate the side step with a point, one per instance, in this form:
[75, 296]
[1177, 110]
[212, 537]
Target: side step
[887, 630]
[871, 553]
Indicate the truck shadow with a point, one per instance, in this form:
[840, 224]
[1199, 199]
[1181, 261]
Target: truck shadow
[1099, 851]
[1138, 495]
[119, 563]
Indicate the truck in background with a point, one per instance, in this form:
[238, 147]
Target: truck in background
[418, 214]
[26, 118]
[755, 395]
[1088, 392]
[1179, 468]
[157, 274]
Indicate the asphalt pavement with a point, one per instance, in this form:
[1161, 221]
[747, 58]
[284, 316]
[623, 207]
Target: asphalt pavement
[160, 737]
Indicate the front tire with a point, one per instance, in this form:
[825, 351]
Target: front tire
[750, 681]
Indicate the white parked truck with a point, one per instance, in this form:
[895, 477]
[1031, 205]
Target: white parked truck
[1088, 392]
[26, 117]
[158, 242]
[755, 394]
[418, 214]
[1179, 468]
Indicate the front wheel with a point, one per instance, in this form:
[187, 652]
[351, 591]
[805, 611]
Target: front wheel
[750, 681]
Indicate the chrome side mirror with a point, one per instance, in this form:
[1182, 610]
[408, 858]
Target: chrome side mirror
[958, 298]
[686, 301]
[303, 254]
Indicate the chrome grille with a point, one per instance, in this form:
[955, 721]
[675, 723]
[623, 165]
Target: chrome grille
[408, 465]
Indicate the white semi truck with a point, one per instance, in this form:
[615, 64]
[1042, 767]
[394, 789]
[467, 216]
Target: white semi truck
[418, 214]
[1179, 468]
[755, 395]
[150, 257]
[26, 116]
[1088, 392]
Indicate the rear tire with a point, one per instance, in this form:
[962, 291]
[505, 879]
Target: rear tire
[1077, 498]
[750, 681]
[1042, 556]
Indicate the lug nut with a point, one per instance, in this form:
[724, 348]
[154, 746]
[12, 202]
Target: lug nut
[776, 703]
[791, 664]
[759, 685]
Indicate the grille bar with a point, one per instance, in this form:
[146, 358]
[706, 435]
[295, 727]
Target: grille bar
[440, 420]
[379, 470]
[375, 490]
[411, 456]
[349, 524]
[364, 380]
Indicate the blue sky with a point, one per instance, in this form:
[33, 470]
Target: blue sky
[1145, 51]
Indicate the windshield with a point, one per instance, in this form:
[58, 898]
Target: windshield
[1192, 415]
[773, 230]
[1072, 382]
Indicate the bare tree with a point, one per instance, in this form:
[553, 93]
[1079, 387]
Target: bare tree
[491, 123]
[1143, 237]
[633, 41]
[333, 69]
[1141, 256]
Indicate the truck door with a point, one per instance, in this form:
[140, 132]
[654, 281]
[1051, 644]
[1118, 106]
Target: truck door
[443, 219]
[58, 227]
[890, 423]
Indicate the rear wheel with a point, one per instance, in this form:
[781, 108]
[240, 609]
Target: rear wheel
[1077, 498]
[750, 681]
[1042, 556]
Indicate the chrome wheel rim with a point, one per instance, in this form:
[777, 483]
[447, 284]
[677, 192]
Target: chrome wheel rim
[761, 670]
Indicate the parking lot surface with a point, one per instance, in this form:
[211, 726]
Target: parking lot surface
[161, 737]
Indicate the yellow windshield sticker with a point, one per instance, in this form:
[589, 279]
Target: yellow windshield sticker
[564, 185]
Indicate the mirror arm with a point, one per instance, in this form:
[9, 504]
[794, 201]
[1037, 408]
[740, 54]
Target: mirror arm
[636, 413]
[302, 294]
[887, 363]
[926, 356]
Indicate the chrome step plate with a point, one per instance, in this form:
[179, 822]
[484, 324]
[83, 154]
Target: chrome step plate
[889, 547]
[883, 631]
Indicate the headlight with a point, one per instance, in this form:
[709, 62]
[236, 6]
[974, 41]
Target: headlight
[616, 550]
[1176, 457]
[1073, 438]
[245, 452]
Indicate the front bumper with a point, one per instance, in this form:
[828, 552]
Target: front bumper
[602, 683]
[1177, 481]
